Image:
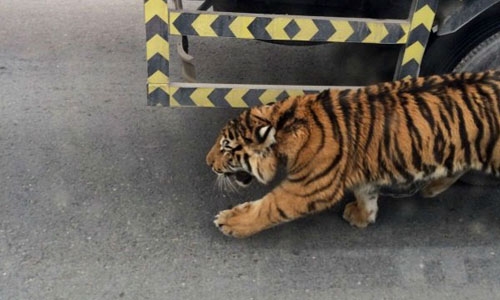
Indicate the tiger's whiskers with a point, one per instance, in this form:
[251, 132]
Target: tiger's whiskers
[226, 184]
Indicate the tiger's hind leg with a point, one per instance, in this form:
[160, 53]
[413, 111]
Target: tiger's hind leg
[364, 210]
[437, 186]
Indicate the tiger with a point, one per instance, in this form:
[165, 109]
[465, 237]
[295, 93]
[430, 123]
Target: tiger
[427, 130]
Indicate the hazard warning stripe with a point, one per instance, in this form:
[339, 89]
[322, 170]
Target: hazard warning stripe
[242, 96]
[157, 51]
[420, 28]
[160, 23]
[289, 28]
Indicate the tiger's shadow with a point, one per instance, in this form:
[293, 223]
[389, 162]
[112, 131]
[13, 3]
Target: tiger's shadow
[462, 216]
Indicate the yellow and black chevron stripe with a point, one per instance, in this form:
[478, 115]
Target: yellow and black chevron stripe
[160, 23]
[289, 28]
[421, 26]
[157, 51]
[233, 96]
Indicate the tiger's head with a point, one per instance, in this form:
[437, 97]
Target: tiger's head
[245, 149]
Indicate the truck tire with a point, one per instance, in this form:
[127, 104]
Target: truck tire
[445, 53]
[484, 56]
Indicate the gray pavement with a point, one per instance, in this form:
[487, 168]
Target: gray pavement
[102, 197]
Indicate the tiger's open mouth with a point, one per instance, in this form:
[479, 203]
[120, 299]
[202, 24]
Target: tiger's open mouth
[241, 177]
[230, 181]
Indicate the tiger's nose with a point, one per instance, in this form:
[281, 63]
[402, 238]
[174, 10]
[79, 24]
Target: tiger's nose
[210, 161]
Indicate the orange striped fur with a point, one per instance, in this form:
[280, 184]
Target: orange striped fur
[429, 130]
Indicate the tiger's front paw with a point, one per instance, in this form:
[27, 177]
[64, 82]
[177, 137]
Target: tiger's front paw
[237, 222]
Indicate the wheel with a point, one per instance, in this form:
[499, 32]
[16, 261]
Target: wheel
[462, 50]
[476, 47]
[484, 56]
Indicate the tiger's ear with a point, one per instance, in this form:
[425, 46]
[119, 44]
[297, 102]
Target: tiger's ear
[266, 135]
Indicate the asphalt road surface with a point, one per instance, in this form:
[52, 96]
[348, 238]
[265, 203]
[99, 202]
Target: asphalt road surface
[102, 197]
